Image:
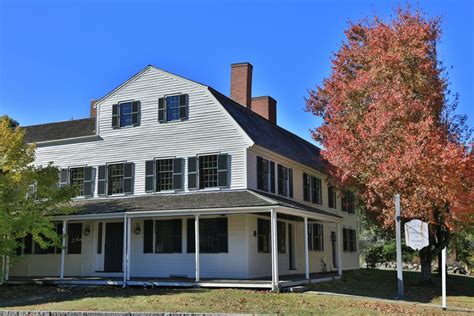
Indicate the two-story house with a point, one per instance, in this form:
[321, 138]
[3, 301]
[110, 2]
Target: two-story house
[181, 185]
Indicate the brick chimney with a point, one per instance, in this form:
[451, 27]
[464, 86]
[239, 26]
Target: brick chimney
[241, 83]
[266, 107]
[93, 110]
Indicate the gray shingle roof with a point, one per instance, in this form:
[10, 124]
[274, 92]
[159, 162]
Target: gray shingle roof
[271, 136]
[188, 201]
[59, 130]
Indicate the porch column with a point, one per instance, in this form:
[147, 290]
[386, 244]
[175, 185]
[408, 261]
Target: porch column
[196, 246]
[339, 248]
[274, 240]
[129, 237]
[63, 249]
[306, 250]
[124, 256]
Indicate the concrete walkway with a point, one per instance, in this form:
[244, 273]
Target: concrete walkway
[376, 299]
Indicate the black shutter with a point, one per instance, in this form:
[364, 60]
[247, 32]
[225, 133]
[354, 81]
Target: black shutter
[280, 179]
[259, 171]
[183, 106]
[148, 236]
[192, 173]
[63, 177]
[88, 181]
[191, 235]
[306, 187]
[272, 177]
[128, 178]
[102, 180]
[222, 170]
[99, 239]
[136, 113]
[59, 231]
[290, 180]
[28, 244]
[178, 174]
[161, 110]
[149, 176]
[115, 116]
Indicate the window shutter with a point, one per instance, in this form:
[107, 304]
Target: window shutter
[148, 236]
[88, 181]
[272, 177]
[259, 169]
[178, 174]
[222, 170]
[115, 116]
[290, 182]
[183, 106]
[192, 173]
[128, 178]
[280, 179]
[64, 178]
[149, 176]
[136, 113]
[321, 227]
[102, 180]
[161, 110]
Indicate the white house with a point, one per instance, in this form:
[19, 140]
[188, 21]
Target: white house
[183, 186]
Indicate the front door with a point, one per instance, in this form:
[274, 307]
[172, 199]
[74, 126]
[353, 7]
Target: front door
[113, 247]
[291, 247]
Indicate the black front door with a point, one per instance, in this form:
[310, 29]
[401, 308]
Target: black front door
[113, 247]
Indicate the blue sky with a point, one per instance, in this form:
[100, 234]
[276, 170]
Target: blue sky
[55, 56]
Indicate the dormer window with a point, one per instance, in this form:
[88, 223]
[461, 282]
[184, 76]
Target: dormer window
[173, 108]
[126, 114]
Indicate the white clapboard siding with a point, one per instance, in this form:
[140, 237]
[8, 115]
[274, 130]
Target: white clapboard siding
[209, 129]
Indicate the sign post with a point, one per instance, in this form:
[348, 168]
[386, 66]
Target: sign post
[399, 247]
[443, 277]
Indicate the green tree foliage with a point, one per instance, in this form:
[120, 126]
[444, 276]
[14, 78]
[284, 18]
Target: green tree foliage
[29, 195]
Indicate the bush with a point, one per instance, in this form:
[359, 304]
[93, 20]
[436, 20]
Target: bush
[373, 256]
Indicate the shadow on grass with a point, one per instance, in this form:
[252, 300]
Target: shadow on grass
[383, 284]
[27, 295]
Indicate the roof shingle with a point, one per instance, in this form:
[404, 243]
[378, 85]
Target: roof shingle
[59, 130]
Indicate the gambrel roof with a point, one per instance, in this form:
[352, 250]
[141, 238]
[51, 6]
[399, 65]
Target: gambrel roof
[261, 131]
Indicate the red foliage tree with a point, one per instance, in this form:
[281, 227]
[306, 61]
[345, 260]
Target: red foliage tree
[389, 127]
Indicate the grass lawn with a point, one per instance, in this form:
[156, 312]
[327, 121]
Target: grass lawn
[368, 283]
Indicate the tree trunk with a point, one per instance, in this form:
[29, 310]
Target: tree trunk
[426, 257]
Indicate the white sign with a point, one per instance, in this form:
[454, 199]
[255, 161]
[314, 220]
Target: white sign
[416, 234]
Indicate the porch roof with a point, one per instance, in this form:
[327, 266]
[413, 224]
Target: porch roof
[228, 199]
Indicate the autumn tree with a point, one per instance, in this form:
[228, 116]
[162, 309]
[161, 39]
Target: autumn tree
[29, 195]
[389, 126]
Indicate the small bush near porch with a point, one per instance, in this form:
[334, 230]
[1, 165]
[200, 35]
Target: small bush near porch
[371, 283]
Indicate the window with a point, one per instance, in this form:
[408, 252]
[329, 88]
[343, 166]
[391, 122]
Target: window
[316, 192]
[263, 175]
[315, 237]
[349, 240]
[77, 179]
[172, 108]
[115, 183]
[348, 202]
[213, 235]
[332, 197]
[312, 189]
[74, 239]
[263, 235]
[168, 237]
[164, 174]
[31, 246]
[208, 171]
[126, 114]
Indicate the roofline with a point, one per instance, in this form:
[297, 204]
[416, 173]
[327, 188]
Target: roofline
[58, 122]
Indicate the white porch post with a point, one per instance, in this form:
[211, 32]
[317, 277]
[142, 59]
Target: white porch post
[274, 240]
[129, 237]
[339, 240]
[124, 256]
[63, 249]
[306, 250]
[196, 246]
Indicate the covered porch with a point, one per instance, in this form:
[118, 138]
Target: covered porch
[114, 246]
